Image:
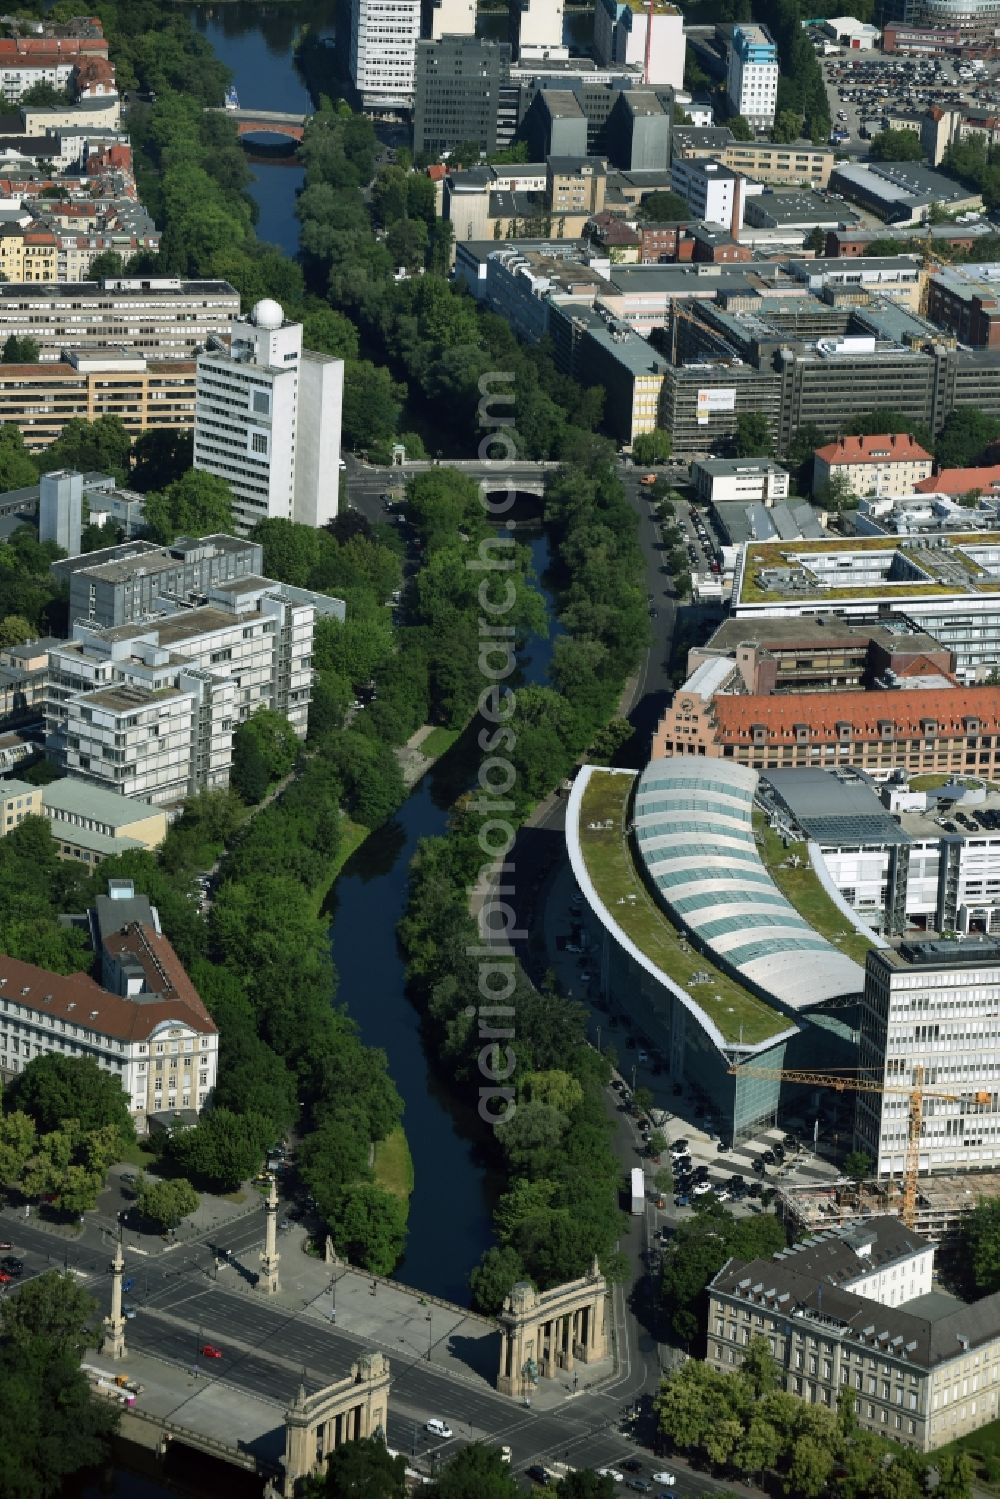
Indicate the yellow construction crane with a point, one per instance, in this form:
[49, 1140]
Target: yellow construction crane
[854, 1083]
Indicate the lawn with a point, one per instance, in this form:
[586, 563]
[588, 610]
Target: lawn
[735, 1011]
[805, 892]
[438, 741]
[394, 1165]
[352, 835]
[137, 1154]
[983, 1446]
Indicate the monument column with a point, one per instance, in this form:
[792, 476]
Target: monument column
[113, 1339]
[268, 1279]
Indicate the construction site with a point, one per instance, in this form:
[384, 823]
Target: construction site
[941, 1201]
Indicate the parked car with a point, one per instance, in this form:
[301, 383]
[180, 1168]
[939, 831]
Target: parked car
[538, 1475]
[700, 1188]
[611, 1473]
[439, 1428]
[209, 1350]
[667, 1479]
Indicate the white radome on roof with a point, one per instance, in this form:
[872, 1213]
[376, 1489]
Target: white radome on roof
[268, 313]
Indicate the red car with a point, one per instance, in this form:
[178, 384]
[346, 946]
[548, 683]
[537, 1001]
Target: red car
[208, 1350]
[5, 1278]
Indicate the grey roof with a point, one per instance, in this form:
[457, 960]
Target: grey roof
[924, 1338]
[70, 796]
[694, 835]
[835, 808]
[111, 916]
[840, 1255]
[726, 467]
[89, 838]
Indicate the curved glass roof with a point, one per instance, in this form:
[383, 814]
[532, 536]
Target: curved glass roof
[693, 830]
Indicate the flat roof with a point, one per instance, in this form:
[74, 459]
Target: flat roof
[606, 873]
[835, 808]
[694, 831]
[69, 795]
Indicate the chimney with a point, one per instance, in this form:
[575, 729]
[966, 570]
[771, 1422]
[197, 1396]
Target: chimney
[734, 225]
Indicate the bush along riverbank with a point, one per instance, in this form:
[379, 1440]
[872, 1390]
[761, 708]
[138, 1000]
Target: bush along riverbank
[521, 1051]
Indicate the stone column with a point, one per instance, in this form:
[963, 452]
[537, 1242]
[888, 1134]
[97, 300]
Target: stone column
[267, 1281]
[567, 1339]
[113, 1339]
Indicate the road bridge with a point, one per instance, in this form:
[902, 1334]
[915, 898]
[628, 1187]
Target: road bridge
[269, 121]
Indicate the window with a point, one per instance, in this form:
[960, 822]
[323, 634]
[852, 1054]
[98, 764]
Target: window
[258, 443]
[261, 402]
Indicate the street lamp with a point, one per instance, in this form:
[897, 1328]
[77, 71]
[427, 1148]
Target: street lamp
[333, 1298]
[430, 1334]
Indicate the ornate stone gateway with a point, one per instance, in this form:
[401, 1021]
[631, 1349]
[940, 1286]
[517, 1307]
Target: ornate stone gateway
[544, 1332]
[350, 1410]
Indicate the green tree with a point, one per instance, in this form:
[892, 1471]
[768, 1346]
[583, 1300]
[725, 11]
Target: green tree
[223, 1149]
[102, 446]
[585, 1484]
[475, 1472]
[787, 128]
[492, 1279]
[896, 145]
[372, 403]
[249, 777]
[51, 1427]
[197, 504]
[816, 240]
[811, 1463]
[15, 630]
[18, 1142]
[329, 332]
[17, 468]
[858, 1166]
[368, 1227]
[965, 437]
[664, 208]
[20, 350]
[759, 1367]
[836, 495]
[51, 1309]
[105, 266]
[741, 128]
[361, 1470]
[53, 1089]
[980, 1239]
[160, 457]
[166, 1202]
[753, 435]
[652, 447]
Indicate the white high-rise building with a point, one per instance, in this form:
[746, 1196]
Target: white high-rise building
[620, 33]
[267, 420]
[60, 510]
[452, 18]
[539, 26]
[384, 36]
[932, 1006]
[752, 82]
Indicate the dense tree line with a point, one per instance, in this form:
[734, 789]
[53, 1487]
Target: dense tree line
[743, 1423]
[367, 1470]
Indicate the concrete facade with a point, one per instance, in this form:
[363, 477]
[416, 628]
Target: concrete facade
[352, 1410]
[544, 1332]
[161, 317]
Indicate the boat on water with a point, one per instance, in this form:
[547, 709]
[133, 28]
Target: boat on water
[232, 97]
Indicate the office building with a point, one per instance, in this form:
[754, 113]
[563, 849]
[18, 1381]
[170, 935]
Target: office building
[384, 36]
[932, 1006]
[752, 75]
[721, 480]
[463, 94]
[60, 510]
[622, 34]
[713, 192]
[889, 463]
[855, 1309]
[452, 18]
[267, 420]
[39, 399]
[637, 133]
[150, 709]
[598, 350]
[966, 300]
[144, 1021]
[537, 30]
[159, 317]
[901, 192]
[90, 823]
[789, 166]
[18, 800]
[122, 584]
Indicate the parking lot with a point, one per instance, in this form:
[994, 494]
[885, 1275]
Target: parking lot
[862, 88]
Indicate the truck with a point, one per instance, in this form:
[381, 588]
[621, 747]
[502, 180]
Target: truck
[638, 1190]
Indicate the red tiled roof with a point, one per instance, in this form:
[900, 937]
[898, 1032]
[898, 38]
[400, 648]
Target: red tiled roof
[42, 51]
[922, 666]
[822, 713]
[898, 447]
[961, 480]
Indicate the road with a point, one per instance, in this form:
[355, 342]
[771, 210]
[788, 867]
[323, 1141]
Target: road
[268, 1351]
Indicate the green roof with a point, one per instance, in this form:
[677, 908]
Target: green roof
[737, 1013]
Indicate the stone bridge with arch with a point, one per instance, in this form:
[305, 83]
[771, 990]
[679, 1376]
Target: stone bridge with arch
[259, 121]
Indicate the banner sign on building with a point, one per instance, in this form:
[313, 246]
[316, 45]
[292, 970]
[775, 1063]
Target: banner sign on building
[712, 401]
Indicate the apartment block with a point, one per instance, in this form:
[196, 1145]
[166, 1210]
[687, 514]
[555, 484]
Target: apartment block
[150, 709]
[27, 61]
[159, 317]
[852, 1310]
[267, 420]
[930, 1013]
[39, 399]
[144, 1021]
[888, 463]
[18, 800]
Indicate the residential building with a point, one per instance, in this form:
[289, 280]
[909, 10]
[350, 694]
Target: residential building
[893, 278]
[752, 75]
[144, 1022]
[519, 282]
[888, 463]
[27, 61]
[966, 300]
[929, 1012]
[60, 509]
[159, 317]
[622, 34]
[453, 18]
[267, 420]
[150, 709]
[122, 584]
[924, 1369]
[713, 192]
[39, 399]
[744, 479]
[90, 823]
[28, 253]
[95, 112]
[462, 93]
